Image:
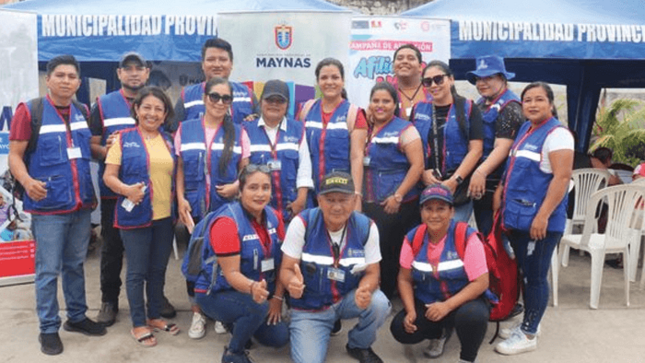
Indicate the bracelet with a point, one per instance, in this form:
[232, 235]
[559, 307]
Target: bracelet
[278, 297]
[359, 194]
[251, 287]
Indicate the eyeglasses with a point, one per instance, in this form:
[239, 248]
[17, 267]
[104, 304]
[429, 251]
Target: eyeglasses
[427, 82]
[216, 97]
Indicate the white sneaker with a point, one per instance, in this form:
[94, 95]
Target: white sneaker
[197, 327]
[220, 328]
[436, 346]
[516, 344]
[506, 333]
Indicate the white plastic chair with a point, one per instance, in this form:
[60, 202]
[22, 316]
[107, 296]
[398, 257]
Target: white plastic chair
[620, 201]
[638, 223]
[587, 182]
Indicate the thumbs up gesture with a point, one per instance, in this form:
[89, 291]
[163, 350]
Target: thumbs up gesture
[259, 291]
[296, 285]
[363, 296]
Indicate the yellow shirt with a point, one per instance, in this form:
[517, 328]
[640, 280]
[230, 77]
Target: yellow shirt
[161, 173]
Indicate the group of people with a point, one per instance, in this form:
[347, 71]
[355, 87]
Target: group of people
[333, 212]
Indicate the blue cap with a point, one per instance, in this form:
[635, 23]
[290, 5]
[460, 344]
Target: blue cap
[436, 192]
[487, 66]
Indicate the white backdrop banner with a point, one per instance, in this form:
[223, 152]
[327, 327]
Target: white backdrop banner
[286, 46]
[374, 40]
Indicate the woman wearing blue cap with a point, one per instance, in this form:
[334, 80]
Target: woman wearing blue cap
[502, 117]
[442, 281]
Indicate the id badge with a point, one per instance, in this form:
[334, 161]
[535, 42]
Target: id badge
[275, 165]
[336, 274]
[408, 111]
[268, 265]
[74, 153]
[367, 160]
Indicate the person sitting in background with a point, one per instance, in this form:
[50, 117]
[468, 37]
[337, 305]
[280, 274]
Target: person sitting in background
[601, 159]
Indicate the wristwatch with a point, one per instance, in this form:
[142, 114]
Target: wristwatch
[459, 180]
[398, 198]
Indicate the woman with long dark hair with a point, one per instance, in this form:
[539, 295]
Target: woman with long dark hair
[210, 151]
[452, 134]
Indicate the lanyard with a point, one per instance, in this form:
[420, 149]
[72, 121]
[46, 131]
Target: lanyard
[335, 247]
[435, 139]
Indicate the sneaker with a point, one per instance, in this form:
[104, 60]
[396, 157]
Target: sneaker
[86, 326]
[506, 333]
[197, 327]
[516, 344]
[167, 310]
[337, 328]
[220, 328]
[50, 343]
[230, 357]
[436, 346]
[363, 355]
[107, 314]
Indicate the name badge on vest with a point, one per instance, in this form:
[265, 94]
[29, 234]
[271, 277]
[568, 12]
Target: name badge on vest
[268, 265]
[74, 153]
[336, 274]
[275, 165]
[367, 160]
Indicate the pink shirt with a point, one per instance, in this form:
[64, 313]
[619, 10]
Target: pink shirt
[474, 257]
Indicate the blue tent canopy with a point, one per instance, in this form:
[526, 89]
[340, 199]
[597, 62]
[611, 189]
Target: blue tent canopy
[586, 45]
[101, 31]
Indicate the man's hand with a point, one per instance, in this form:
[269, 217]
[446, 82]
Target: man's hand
[363, 296]
[36, 189]
[296, 286]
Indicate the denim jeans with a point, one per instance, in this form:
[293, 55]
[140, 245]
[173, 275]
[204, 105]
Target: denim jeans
[310, 329]
[111, 254]
[147, 250]
[483, 210]
[249, 319]
[61, 247]
[534, 260]
[463, 212]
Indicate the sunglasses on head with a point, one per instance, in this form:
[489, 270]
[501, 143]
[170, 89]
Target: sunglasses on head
[216, 97]
[427, 82]
[252, 168]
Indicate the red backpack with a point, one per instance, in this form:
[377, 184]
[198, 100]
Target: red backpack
[502, 270]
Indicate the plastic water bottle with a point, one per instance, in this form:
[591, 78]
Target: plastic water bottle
[507, 247]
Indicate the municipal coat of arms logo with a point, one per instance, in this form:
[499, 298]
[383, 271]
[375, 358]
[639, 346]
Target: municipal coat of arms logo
[283, 36]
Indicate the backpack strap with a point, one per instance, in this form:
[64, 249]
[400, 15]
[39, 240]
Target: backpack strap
[36, 121]
[417, 240]
[461, 238]
[84, 111]
[306, 107]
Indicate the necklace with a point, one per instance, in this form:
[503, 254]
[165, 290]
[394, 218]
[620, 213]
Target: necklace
[411, 99]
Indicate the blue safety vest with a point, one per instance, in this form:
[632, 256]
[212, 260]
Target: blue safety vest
[61, 160]
[255, 263]
[438, 283]
[490, 115]
[114, 109]
[198, 163]
[329, 145]
[525, 185]
[286, 152]
[321, 273]
[455, 143]
[193, 97]
[135, 168]
[386, 165]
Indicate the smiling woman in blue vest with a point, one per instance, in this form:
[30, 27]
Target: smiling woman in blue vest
[244, 290]
[442, 287]
[393, 164]
[210, 151]
[279, 142]
[532, 198]
[336, 129]
[140, 169]
[451, 130]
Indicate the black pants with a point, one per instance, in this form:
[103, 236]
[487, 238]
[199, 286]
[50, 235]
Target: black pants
[392, 229]
[469, 320]
[111, 254]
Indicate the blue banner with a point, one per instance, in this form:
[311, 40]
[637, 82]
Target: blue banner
[105, 38]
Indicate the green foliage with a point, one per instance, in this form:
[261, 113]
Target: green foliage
[620, 128]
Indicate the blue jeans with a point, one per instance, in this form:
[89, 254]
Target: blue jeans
[310, 330]
[147, 250]
[534, 260]
[463, 212]
[61, 247]
[247, 317]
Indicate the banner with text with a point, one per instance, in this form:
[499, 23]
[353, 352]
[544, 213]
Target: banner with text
[374, 40]
[286, 46]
